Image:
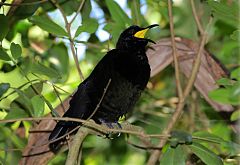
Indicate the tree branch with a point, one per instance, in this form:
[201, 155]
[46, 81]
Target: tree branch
[175, 53]
[68, 28]
[157, 153]
[76, 146]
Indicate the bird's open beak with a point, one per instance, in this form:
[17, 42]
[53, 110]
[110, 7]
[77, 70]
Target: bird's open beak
[141, 33]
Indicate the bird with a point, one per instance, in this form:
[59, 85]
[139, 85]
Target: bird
[123, 73]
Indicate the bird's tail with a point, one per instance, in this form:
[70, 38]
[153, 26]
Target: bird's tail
[61, 129]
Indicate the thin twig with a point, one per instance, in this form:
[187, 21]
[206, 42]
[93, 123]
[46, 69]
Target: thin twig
[20, 87]
[143, 147]
[101, 99]
[59, 98]
[175, 53]
[197, 62]
[51, 84]
[78, 10]
[196, 17]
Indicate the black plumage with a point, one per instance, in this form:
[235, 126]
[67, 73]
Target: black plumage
[128, 70]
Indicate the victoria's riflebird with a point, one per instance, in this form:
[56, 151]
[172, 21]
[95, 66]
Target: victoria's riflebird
[125, 70]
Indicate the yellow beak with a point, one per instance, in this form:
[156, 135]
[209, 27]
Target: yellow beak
[141, 33]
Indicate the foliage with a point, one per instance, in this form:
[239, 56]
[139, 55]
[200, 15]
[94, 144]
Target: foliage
[37, 70]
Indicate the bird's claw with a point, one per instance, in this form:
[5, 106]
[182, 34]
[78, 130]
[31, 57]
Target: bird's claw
[111, 125]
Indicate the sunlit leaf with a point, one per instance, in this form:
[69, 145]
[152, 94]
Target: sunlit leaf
[4, 26]
[90, 26]
[48, 25]
[3, 88]
[173, 156]
[235, 115]
[220, 95]
[235, 74]
[38, 106]
[225, 82]
[205, 154]
[118, 15]
[4, 55]
[16, 50]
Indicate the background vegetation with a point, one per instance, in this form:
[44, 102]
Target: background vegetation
[42, 41]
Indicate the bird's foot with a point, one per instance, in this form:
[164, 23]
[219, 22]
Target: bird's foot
[111, 125]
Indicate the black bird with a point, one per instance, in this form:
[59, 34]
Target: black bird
[125, 69]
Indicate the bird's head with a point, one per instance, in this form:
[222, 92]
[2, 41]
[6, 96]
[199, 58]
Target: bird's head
[133, 37]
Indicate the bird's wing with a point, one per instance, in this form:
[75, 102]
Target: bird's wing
[91, 90]
[85, 99]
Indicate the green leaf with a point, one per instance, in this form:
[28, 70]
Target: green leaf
[115, 30]
[26, 65]
[4, 55]
[220, 95]
[26, 101]
[232, 148]
[174, 156]
[16, 50]
[207, 156]
[43, 70]
[4, 26]
[234, 91]
[235, 74]
[48, 25]
[38, 106]
[208, 136]
[16, 113]
[118, 15]
[3, 88]
[137, 16]
[236, 35]
[235, 115]
[89, 26]
[59, 60]
[86, 10]
[225, 82]
[227, 12]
